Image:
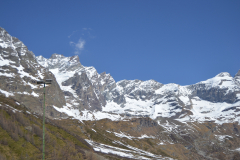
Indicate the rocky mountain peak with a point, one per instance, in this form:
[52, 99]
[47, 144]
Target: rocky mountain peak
[58, 61]
[57, 56]
[103, 74]
[223, 74]
[19, 71]
[14, 52]
[238, 73]
[2, 31]
[12, 43]
[41, 58]
[75, 59]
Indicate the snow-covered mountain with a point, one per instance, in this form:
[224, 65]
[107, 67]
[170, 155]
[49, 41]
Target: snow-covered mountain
[216, 99]
[19, 71]
[202, 117]
[181, 120]
[85, 94]
[83, 86]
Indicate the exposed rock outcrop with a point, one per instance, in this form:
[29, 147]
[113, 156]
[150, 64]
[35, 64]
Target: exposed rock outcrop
[19, 72]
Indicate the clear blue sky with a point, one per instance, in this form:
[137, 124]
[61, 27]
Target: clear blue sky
[170, 41]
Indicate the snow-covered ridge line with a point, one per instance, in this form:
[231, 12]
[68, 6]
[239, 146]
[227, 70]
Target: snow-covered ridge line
[136, 98]
[99, 96]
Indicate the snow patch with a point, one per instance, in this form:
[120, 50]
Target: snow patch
[222, 137]
[132, 152]
[7, 94]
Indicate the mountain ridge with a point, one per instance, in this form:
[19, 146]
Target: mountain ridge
[83, 89]
[222, 88]
[19, 73]
[198, 121]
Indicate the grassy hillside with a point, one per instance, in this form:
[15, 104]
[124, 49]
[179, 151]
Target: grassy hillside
[21, 136]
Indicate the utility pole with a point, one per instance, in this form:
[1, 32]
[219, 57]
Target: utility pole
[47, 81]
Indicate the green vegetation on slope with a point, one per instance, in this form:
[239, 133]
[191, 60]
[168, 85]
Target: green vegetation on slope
[21, 136]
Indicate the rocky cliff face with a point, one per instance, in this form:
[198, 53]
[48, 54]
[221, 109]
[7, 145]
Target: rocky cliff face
[222, 88]
[86, 89]
[19, 72]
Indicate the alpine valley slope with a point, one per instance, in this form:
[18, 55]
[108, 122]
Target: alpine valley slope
[199, 121]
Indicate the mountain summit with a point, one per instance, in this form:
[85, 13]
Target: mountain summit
[19, 71]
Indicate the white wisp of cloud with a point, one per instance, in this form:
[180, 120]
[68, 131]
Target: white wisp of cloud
[79, 46]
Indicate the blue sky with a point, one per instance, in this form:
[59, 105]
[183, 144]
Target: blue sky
[170, 41]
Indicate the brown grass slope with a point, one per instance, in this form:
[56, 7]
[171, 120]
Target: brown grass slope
[21, 136]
